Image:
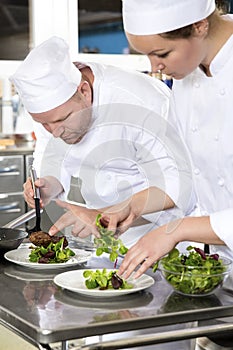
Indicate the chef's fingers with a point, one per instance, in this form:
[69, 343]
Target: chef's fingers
[48, 189]
[42, 184]
[65, 220]
[63, 204]
[110, 222]
[82, 218]
[28, 193]
[124, 225]
[131, 261]
[84, 229]
[147, 263]
[82, 232]
[117, 226]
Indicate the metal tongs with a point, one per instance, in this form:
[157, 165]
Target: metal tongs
[36, 192]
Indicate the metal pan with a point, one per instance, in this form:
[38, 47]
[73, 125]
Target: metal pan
[10, 237]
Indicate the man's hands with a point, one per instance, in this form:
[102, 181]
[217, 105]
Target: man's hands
[117, 219]
[49, 187]
[120, 217]
[82, 219]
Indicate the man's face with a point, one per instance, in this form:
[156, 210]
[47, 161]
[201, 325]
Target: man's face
[69, 121]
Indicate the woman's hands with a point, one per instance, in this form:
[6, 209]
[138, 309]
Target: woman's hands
[49, 186]
[149, 249]
[157, 243]
[82, 219]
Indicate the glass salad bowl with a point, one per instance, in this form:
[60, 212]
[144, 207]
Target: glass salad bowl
[195, 273]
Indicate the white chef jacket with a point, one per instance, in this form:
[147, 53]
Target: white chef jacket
[124, 151]
[204, 117]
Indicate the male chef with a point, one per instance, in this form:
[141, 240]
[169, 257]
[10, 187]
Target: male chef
[107, 127]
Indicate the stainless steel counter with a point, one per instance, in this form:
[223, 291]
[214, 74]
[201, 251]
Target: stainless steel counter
[34, 307]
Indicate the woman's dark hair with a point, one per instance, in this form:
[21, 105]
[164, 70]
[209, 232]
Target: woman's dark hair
[223, 6]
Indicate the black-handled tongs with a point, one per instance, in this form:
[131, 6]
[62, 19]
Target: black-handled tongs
[36, 193]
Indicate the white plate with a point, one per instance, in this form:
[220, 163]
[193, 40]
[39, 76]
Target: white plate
[75, 282]
[21, 257]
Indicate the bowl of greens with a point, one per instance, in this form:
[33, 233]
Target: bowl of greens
[195, 273]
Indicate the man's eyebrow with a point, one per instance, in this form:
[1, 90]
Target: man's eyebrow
[64, 117]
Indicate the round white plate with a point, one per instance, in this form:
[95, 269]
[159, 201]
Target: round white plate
[75, 282]
[21, 257]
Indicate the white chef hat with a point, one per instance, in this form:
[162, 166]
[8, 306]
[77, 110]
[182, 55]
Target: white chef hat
[47, 77]
[145, 17]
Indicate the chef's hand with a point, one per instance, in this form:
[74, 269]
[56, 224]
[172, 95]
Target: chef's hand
[119, 217]
[129, 213]
[157, 243]
[148, 250]
[49, 187]
[82, 219]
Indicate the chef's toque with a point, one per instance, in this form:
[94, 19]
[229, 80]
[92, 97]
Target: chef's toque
[146, 17]
[47, 77]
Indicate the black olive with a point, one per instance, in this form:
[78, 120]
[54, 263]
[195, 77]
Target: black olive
[50, 254]
[116, 281]
[43, 260]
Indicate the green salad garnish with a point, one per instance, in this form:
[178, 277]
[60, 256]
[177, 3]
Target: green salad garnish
[54, 253]
[196, 273]
[104, 279]
[107, 243]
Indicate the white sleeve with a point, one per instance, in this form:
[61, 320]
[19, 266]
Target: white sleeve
[166, 162]
[42, 139]
[222, 223]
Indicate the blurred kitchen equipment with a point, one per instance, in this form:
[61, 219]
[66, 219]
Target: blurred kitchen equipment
[10, 237]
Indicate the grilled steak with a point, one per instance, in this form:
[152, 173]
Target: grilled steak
[41, 238]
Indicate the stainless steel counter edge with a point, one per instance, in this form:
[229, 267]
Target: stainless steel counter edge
[164, 337]
[44, 336]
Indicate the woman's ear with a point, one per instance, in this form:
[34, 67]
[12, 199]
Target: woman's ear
[85, 90]
[201, 27]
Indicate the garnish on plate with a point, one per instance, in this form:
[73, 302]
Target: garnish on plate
[49, 250]
[104, 279]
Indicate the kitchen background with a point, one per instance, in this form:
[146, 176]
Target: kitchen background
[94, 32]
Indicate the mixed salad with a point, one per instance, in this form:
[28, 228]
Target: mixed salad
[193, 273]
[104, 279]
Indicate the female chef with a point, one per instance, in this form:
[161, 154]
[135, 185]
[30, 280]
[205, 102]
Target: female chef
[190, 41]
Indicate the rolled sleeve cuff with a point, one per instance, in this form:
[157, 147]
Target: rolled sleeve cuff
[222, 224]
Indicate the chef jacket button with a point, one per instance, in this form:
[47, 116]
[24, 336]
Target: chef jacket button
[196, 171]
[222, 91]
[197, 85]
[221, 182]
[194, 128]
[216, 137]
